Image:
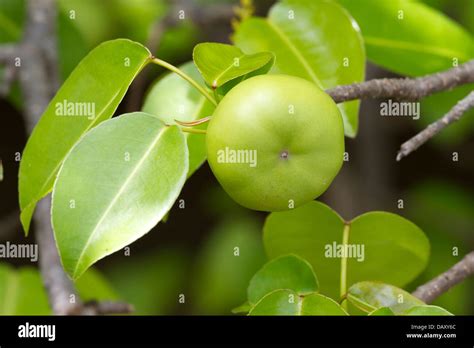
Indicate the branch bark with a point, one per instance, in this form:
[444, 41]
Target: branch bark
[434, 128]
[445, 281]
[410, 89]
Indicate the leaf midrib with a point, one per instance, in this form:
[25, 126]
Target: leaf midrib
[296, 52]
[118, 194]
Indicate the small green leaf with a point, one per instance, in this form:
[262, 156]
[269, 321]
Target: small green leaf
[220, 277]
[369, 296]
[243, 308]
[288, 302]
[396, 38]
[426, 310]
[93, 286]
[221, 63]
[22, 292]
[286, 272]
[89, 96]
[383, 311]
[303, 36]
[114, 186]
[376, 241]
[172, 98]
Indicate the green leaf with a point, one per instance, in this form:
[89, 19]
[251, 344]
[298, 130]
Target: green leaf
[97, 84]
[94, 286]
[243, 308]
[396, 37]
[114, 186]
[377, 241]
[303, 36]
[383, 311]
[287, 302]
[286, 272]
[172, 98]
[220, 63]
[426, 310]
[222, 272]
[369, 296]
[22, 292]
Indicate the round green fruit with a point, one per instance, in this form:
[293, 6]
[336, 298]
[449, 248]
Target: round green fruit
[275, 142]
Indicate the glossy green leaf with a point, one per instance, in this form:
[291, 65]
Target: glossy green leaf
[114, 186]
[368, 296]
[383, 311]
[222, 272]
[376, 241]
[22, 292]
[89, 96]
[313, 39]
[94, 286]
[396, 38]
[286, 272]
[287, 302]
[220, 63]
[243, 308]
[426, 310]
[172, 98]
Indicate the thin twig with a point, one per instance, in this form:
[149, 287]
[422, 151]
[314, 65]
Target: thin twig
[445, 281]
[434, 128]
[405, 88]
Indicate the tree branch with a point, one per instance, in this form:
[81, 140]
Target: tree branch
[434, 128]
[405, 88]
[442, 283]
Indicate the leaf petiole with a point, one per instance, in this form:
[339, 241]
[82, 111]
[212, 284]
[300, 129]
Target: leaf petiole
[196, 85]
[193, 130]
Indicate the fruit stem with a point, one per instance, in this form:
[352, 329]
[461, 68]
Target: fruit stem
[196, 85]
[193, 130]
[193, 123]
[345, 241]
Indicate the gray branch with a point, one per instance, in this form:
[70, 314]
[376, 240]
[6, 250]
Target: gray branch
[405, 88]
[434, 128]
[445, 281]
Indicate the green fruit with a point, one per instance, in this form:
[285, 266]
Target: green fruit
[275, 142]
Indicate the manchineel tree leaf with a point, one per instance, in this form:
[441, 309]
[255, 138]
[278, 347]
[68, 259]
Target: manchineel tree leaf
[115, 185]
[225, 265]
[361, 249]
[89, 96]
[313, 39]
[382, 311]
[172, 98]
[220, 63]
[288, 302]
[426, 310]
[22, 291]
[396, 38]
[286, 272]
[368, 296]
